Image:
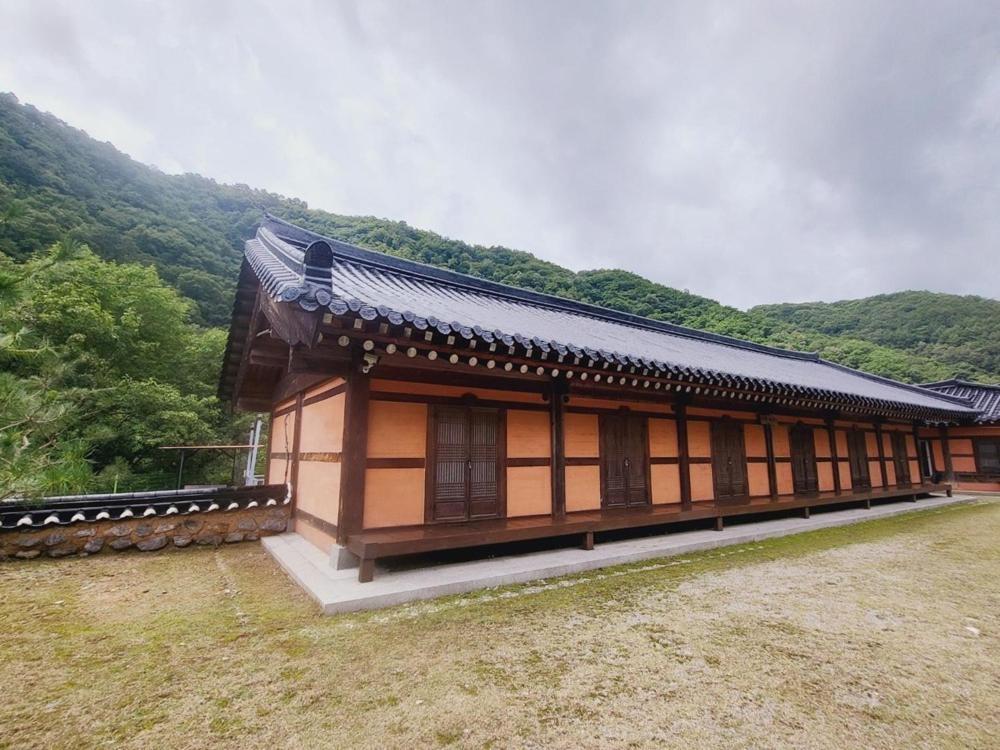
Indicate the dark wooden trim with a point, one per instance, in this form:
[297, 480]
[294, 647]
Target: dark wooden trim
[528, 461]
[315, 522]
[334, 391]
[772, 471]
[296, 382]
[557, 432]
[777, 459]
[282, 412]
[683, 459]
[976, 453]
[968, 476]
[501, 463]
[416, 398]
[604, 410]
[431, 456]
[949, 471]
[438, 373]
[583, 461]
[706, 418]
[881, 454]
[699, 459]
[296, 443]
[664, 460]
[355, 447]
[395, 463]
[378, 543]
[831, 432]
[330, 457]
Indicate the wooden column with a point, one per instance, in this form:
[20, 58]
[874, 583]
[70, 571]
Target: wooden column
[293, 471]
[834, 457]
[772, 469]
[919, 479]
[949, 472]
[683, 459]
[881, 455]
[354, 453]
[557, 410]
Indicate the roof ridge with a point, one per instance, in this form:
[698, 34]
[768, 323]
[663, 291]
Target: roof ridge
[564, 304]
[960, 382]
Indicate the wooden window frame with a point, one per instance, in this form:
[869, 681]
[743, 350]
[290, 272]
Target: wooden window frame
[602, 451]
[798, 429]
[898, 441]
[744, 498]
[976, 443]
[856, 435]
[430, 463]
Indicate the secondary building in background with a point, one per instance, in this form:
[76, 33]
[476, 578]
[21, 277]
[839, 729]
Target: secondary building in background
[969, 454]
[416, 409]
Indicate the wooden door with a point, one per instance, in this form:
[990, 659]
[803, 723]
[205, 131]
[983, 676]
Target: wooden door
[857, 452]
[464, 468]
[729, 463]
[804, 475]
[900, 459]
[624, 461]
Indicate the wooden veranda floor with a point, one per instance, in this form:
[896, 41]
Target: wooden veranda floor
[377, 543]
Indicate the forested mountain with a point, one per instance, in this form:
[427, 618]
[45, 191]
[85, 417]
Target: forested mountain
[962, 332]
[56, 181]
[116, 281]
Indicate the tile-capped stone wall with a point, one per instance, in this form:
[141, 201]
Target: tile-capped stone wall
[144, 534]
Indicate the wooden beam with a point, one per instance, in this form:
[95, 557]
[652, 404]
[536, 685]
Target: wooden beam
[949, 472]
[683, 457]
[772, 471]
[291, 323]
[350, 518]
[558, 433]
[834, 456]
[296, 442]
[881, 455]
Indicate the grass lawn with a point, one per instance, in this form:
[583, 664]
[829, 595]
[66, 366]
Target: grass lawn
[876, 635]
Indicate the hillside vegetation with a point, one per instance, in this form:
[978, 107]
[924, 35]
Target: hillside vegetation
[116, 281]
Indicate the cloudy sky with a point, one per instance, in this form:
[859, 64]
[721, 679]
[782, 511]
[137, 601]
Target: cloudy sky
[749, 151]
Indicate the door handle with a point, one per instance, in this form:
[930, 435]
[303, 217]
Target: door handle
[627, 464]
[468, 464]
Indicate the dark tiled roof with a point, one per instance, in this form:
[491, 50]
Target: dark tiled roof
[374, 286]
[982, 397]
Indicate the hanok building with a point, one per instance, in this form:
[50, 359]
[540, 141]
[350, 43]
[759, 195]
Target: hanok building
[969, 454]
[415, 409]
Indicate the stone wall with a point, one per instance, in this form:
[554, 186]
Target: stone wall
[144, 534]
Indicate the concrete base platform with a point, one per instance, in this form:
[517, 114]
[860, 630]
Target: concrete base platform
[339, 590]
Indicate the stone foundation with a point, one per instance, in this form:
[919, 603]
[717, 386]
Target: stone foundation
[144, 534]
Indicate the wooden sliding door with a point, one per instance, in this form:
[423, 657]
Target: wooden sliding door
[729, 462]
[804, 475]
[465, 467]
[624, 461]
[857, 452]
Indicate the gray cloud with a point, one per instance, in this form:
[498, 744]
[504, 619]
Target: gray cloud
[752, 152]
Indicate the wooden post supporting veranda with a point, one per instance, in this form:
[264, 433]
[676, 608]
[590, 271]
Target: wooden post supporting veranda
[834, 457]
[557, 392]
[772, 470]
[949, 472]
[683, 458]
[350, 518]
[881, 456]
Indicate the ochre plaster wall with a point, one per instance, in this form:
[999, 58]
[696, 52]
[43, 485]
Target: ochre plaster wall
[529, 491]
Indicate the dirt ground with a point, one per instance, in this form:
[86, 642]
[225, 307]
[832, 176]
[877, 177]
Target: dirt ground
[877, 635]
